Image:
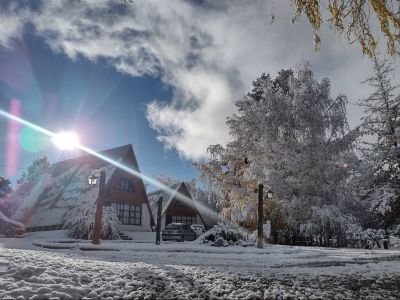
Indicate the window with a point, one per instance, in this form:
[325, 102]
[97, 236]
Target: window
[125, 184]
[128, 214]
[184, 219]
[179, 203]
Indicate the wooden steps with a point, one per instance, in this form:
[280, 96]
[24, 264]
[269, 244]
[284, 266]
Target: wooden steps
[123, 236]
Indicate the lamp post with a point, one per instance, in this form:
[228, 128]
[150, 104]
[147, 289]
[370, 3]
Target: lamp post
[260, 233]
[158, 228]
[260, 220]
[99, 205]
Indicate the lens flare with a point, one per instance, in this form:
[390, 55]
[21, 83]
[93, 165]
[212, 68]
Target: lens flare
[202, 208]
[66, 140]
[12, 139]
[26, 123]
[32, 141]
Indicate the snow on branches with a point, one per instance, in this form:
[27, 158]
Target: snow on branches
[291, 135]
[380, 184]
[80, 221]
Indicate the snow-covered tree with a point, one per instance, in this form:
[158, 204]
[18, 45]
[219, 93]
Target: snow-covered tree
[291, 135]
[206, 196]
[35, 170]
[166, 180]
[381, 164]
[6, 205]
[80, 221]
[25, 184]
[5, 187]
[30, 177]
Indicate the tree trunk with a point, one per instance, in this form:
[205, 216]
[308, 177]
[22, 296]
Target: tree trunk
[260, 233]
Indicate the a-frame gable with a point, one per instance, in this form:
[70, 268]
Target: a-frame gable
[195, 206]
[130, 158]
[140, 195]
[182, 189]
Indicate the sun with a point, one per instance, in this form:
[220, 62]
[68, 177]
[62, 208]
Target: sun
[66, 140]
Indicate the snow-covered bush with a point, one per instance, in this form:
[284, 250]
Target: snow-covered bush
[80, 222]
[355, 236]
[374, 237]
[396, 230]
[266, 232]
[369, 238]
[222, 235]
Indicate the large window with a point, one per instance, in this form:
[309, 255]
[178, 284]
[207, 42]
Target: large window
[128, 214]
[184, 219]
[125, 184]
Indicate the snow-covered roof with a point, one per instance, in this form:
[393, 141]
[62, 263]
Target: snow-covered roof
[64, 187]
[167, 198]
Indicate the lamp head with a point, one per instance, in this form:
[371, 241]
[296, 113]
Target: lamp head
[93, 179]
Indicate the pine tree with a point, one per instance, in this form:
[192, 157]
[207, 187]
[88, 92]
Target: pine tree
[381, 186]
[34, 171]
[26, 183]
[5, 187]
[6, 205]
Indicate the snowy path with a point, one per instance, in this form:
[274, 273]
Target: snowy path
[187, 270]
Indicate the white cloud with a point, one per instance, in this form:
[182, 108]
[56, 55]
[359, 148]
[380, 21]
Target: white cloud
[209, 56]
[192, 129]
[10, 28]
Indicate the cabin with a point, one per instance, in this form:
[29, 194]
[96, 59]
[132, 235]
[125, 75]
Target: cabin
[174, 210]
[65, 185]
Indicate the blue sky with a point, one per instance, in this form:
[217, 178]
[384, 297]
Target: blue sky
[162, 75]
[106, 107]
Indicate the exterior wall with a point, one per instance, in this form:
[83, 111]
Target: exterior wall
[175, 210]
[136, 197]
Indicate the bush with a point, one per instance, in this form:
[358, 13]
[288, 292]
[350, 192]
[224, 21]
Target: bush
[369, 238]
[222, 235]
[395, 230]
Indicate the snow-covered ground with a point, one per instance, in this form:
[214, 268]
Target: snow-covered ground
[143, 270]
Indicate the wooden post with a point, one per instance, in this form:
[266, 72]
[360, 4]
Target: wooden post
[158, 227]
[99, 209]
[260, 230]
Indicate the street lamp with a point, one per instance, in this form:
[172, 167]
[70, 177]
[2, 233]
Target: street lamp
[270, 194]
[93, 179]
[158, 225]
[260, 221]
[99, 204]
